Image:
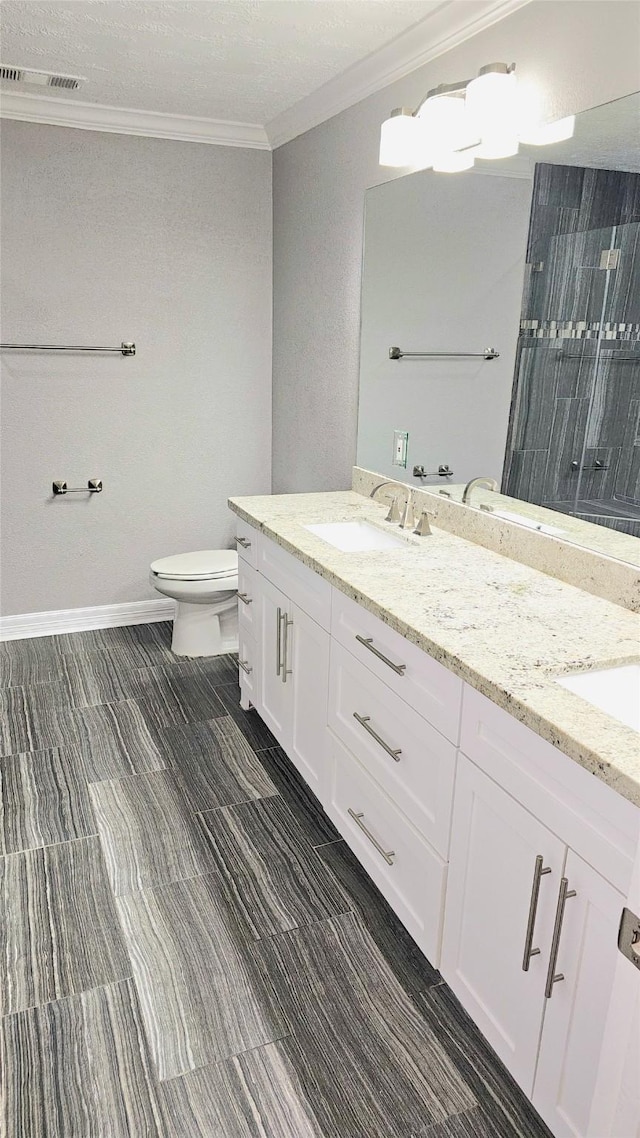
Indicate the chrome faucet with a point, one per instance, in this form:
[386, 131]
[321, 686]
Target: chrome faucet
[490, 484]
[394, 514]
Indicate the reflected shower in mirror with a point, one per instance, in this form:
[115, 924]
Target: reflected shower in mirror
[538, 259]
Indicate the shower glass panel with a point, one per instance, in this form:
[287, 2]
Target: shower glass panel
[575, 420]
[607, 487]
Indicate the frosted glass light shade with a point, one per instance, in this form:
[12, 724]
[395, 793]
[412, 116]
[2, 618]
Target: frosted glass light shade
[401, 137]
[492, 104]
[446, 123]
[545, 134]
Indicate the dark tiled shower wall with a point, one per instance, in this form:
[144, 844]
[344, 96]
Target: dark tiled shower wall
[572, 309]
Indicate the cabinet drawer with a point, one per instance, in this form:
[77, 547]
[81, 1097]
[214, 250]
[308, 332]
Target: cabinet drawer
[304, 587]
[248, 597]
[427, 686]
[248, 664]
[372, 721]
[247, 542]
[406, 870]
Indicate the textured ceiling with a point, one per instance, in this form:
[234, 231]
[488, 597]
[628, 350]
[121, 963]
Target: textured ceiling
[239, 60]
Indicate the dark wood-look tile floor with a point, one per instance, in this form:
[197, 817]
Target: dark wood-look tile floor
[188, 949]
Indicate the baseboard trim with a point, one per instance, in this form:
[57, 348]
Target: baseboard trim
[27, 625]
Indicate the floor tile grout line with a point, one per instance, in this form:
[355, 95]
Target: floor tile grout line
[53, 845]
[69, 996]
[223, 1060]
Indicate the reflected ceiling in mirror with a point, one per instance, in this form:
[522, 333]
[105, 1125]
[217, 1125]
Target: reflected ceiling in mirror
[536, 257]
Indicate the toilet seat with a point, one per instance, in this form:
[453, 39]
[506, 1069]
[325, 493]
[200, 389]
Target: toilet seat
[201, 565]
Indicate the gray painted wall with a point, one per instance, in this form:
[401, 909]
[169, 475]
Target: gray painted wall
[319, 184]
[105, 238]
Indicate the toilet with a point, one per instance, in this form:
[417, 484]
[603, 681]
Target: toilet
[205, 586]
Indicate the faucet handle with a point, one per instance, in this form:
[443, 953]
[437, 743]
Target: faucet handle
[423, 529]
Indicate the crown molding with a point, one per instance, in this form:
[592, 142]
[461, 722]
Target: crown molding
[124, 120]
[447, 26]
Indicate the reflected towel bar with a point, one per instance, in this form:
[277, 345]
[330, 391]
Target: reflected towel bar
[488, 354]
[126, 348]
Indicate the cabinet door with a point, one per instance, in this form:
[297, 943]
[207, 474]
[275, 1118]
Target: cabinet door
[274, 703]
[491, 905]
[576, 1010]
[307, 657]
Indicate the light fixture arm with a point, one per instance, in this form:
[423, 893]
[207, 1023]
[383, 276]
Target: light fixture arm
[460, 86]
[457, 88]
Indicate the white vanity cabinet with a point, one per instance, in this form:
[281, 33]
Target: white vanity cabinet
[495, 847]
[506, 874]
[530, 938]
[507, 862]
[576, 1013]
[291, 651]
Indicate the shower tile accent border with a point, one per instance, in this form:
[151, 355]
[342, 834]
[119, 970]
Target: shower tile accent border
[602, 574]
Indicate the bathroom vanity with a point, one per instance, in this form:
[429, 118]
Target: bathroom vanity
[415, 688]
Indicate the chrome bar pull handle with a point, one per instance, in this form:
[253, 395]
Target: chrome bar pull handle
[278, 641]
[244, 542]
[364, 721]
[552, 976]
[539, 871]
[245, 598]
[367, 642]
[286, 625]
[244, 664]
[388, 855]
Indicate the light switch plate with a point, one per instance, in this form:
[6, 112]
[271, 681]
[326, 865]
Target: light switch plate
[400, 448]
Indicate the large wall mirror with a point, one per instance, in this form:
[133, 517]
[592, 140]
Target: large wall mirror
[536, 258]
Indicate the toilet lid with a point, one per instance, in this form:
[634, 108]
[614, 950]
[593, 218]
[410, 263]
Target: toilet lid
[202, 565]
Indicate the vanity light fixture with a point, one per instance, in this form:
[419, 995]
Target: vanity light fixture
[483, 117]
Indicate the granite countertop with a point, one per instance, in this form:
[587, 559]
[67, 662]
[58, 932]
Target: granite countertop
[503, 627]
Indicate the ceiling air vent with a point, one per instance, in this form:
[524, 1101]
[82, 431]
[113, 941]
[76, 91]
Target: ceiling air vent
[13, 73]
[40, 78]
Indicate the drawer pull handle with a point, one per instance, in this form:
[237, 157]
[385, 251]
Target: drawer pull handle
[364, 721]
[244, 542]
[552, 976]
[278, 641]
[388, 855]
[539, 871]
[286, 625]
[244, 664]
[367, 642]
[245, 598]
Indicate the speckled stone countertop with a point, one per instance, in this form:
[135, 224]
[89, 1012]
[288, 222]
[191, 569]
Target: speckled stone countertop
[503, 627]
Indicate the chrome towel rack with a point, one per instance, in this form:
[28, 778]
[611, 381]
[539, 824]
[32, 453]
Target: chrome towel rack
[94, 486]
[127, 348]
[487, 354]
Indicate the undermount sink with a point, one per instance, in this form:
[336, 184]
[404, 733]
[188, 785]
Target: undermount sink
[356, 537]
[614, 690]
[530, 523]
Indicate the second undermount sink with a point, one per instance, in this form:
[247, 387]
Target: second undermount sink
[530, 523]
[356, 537]
[615, 691]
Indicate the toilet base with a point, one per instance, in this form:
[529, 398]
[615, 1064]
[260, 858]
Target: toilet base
[205, 630]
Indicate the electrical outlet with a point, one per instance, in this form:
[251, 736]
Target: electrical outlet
[400, 448]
